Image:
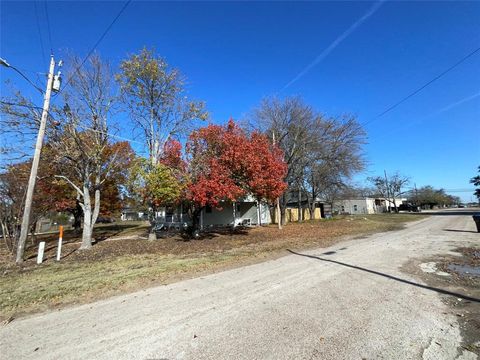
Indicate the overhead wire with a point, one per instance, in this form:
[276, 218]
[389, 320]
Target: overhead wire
[95, 46]
[81, 126]
[39, 32]
[25, 77]
[413, 93]
[48, 26]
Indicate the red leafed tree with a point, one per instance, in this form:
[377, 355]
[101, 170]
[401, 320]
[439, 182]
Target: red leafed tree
[226, 164]
[268, 170]
[172, 156]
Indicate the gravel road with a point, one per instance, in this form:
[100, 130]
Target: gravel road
[350, 301]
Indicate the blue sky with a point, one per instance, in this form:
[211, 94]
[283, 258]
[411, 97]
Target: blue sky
[233, 54]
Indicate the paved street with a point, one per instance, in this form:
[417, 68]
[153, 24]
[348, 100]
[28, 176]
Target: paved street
[350, 301]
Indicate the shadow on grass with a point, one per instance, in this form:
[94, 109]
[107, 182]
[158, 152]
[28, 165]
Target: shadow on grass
[216, 232]
[408, 282]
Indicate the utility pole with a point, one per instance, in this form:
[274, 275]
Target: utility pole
[416, 194]
[388, 191]
[36, 159]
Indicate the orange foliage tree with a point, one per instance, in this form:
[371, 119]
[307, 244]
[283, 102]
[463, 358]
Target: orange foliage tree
[226, 163]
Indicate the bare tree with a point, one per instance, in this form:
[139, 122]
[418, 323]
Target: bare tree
[289, 122]
[390, 187]
[82, 137]
[155, 95]
[321, 153]
[19, 125]
[335, 156]
[11, 208]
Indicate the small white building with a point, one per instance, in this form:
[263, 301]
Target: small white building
[247, 212]
[366, 205]
[355, 206]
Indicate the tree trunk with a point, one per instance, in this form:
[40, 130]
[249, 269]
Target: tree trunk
[87, 233]
[311, 204]
[259, 212]
[283, 215]
[152, 236]
[77, 217]
[300, 213]
[283, 209]
[96, 209]
[87, 220]
[195, 218]
[32, 233]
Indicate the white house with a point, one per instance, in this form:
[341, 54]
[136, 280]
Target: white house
[246, 212]
[366, 205]
[385, 204]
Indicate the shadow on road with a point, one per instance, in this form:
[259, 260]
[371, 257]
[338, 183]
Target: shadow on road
[441, 291]
[467, 231]
[452, 212]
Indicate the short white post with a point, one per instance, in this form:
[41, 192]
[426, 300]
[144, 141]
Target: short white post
[60, 239]
[41, 250]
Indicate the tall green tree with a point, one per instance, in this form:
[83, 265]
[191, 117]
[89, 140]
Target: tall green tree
[155, 95]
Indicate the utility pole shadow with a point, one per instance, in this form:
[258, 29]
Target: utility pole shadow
[440, 291]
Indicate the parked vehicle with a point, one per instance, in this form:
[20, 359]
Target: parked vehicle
[105, 220]
[409, 208]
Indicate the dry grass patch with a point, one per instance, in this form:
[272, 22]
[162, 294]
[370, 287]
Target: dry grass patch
[118, 266]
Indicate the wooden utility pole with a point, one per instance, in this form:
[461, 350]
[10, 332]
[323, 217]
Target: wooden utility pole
[386, 188]
[416, 195]
[36, 159]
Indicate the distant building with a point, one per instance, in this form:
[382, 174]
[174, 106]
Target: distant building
[132, 214]
[355, 206]
[366, 205]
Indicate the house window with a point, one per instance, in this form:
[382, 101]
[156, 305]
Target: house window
[355, 207]
[208, 209]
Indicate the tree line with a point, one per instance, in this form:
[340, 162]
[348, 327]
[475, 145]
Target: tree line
[290, 151]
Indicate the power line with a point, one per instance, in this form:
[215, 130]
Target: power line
[95, 45]
[81, 126]
[48, 26]
[25, 77]
[460, 190]
[109, 134]
[39, 32]
[423, 86]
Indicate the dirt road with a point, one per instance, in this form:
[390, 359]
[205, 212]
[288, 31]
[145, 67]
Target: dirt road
[350, 301]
